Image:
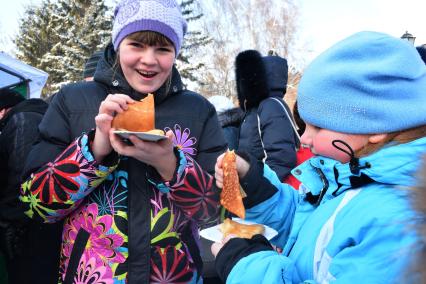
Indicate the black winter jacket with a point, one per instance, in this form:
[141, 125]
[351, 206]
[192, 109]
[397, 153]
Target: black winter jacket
[266, 132]
[19, 130]
[149, 223]
[28, 246]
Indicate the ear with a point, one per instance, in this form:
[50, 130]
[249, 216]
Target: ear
[377, 138]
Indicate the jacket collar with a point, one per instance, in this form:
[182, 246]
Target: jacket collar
[393, 165]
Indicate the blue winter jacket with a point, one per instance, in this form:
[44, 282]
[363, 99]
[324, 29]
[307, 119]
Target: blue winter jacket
[360, 232]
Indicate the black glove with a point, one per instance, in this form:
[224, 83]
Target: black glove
[237, 248]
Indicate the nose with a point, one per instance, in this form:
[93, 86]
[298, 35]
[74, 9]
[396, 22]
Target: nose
[306, 138]
[148, 56]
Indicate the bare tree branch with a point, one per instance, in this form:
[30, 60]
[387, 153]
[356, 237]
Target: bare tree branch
[236, 25]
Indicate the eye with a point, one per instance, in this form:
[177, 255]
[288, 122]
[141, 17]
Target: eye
[136, 44]
[165, 48]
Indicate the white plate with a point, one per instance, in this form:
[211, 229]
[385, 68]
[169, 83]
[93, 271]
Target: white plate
[141, 135]
[214, 234]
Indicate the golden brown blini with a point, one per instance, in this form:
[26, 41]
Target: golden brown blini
[140, 116]
[230, 197]
[230, 227]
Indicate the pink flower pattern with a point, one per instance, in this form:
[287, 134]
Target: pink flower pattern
[90, 273]
[103, 244]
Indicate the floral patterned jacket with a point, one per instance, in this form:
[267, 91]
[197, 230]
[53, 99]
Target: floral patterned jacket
[123, 223]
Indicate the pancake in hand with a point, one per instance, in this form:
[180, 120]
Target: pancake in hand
[231, 197]
[139, 117]
[230, 227]
[156, 132]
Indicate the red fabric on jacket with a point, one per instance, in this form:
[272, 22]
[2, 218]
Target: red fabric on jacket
[302, 155]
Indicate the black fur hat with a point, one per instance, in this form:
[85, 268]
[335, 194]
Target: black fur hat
[251, 80]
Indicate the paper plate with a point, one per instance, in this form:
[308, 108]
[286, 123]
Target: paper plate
[214, 234]
[146, 136]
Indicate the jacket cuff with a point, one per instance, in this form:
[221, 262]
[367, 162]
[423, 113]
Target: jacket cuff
[236, 249]
[256, 186]
[111, 160]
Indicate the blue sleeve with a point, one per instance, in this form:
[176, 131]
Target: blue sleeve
[263, 267]
[269, 201]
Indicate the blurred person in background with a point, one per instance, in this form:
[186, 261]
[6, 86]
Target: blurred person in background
[91, 64]
[266, 131]
[29, 247]
[230, 118]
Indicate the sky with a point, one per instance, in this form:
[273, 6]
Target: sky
[322, 22]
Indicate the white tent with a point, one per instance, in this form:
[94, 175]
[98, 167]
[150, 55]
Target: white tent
[14, 72]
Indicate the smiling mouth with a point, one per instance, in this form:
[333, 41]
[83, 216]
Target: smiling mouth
[147, 74]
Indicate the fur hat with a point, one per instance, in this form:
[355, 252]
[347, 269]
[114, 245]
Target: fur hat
[91, 63]
[367, 83]
[259, 77]
[250, 76]
[161, 16]
[9, 98]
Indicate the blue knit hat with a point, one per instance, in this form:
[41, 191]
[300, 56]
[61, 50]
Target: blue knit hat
[368, 83]
[161, 16]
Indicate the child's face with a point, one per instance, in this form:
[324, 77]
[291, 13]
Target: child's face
[146, 68]
[320, 142]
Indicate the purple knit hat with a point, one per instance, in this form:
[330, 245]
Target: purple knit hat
[161, 16]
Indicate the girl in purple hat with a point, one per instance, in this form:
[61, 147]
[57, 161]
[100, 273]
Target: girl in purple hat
[131, 210]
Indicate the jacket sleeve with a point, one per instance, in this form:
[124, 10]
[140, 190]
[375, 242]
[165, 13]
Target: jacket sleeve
[269, 201]
[193, 187]
[263, 268]
[23, 132]
[60, 171]
[252, 261]
[17, 137]
[278, 138]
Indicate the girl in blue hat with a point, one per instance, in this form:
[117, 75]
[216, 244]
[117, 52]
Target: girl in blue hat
[364, 104]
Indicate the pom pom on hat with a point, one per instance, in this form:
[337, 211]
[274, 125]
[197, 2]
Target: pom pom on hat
[367, 83]
[161, 16]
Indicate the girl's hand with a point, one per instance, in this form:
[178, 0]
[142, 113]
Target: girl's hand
[159, 154]
[112, 104]
[242, 168]
[216, 247]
